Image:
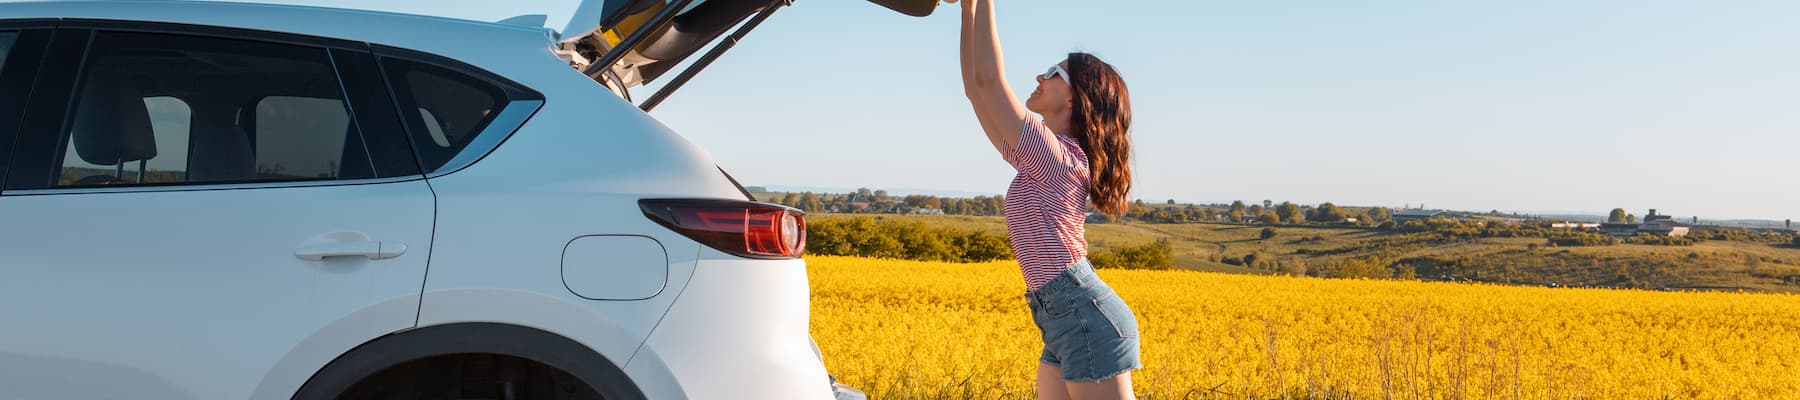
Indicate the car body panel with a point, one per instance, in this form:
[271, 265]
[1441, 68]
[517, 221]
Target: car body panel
[114, 280]
[735, 313]
[558, 178]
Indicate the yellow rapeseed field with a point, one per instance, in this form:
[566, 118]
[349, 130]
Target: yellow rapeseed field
[907, 329]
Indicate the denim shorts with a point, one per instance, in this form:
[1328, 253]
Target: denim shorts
[1088, 330]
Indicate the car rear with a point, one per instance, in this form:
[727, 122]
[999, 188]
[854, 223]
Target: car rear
[728, 311]
[555, 207]
[730, 320]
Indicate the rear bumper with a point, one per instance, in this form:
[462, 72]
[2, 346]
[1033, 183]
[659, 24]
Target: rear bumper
[844, 392]
[738, 330]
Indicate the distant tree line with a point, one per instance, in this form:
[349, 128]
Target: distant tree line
[869, 201]
[866, 201]
[1286, 213]
[1459, 229]
[914, 240]
[1379, 258]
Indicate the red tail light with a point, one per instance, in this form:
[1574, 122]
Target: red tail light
[747, 229]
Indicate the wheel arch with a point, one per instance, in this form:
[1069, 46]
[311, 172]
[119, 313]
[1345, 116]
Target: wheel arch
[603, 375]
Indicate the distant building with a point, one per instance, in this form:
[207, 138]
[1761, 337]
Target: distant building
[1402, 216]
[1619, 228]
[859, 204]
[1575, 225]
[1654, 224]
[1662, 225]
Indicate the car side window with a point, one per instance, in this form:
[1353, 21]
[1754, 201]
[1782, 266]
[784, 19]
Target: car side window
[6, 43]
[287, 146]
[157, 109]
[445, 108]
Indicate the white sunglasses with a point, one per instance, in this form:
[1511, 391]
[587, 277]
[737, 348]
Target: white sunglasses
[1057, 70]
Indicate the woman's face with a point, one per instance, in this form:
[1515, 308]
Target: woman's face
[1053, 94]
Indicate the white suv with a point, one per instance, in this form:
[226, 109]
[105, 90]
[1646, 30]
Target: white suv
[226, 201]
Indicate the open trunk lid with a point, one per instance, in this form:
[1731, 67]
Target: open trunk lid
[627, 43]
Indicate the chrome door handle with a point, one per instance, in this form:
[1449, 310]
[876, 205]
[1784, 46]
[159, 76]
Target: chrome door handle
[371, 249]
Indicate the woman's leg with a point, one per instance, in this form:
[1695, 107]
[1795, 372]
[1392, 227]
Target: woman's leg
[1050, 383]
[1116, 387]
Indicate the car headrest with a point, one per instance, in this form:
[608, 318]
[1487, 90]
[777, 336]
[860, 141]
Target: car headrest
[112, 124]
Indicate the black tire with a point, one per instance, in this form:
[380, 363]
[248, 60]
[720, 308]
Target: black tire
[433, 363]
[471, 376]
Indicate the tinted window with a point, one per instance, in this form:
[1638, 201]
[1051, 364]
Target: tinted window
[444, 108]
[170, 109]
[287, 130]
[12, 91]
[6, 43]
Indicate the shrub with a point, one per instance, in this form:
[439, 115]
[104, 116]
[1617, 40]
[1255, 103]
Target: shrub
[1659, 240]
[1153, 255]
[1295, 267]
[1582, 239]
[868, 237]
[1267, 233]
[1373, 266]
[918, 242]
[978, 246]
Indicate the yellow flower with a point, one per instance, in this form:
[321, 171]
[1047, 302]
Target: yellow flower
[908, 329]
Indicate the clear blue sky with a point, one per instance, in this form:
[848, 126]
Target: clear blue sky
[1689, 107]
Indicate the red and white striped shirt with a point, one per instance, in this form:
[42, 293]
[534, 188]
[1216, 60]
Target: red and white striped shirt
[1046, 205]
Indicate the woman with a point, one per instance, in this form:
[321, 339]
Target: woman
[1077, 153]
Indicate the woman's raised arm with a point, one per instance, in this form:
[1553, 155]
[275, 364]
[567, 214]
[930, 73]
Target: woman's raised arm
[1001, 113]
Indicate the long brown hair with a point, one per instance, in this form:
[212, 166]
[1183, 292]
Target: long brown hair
[1101, 118]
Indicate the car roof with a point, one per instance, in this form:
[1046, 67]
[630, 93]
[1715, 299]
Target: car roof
[474, 42]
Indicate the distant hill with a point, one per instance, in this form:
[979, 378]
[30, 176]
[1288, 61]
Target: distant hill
[1317, 250]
